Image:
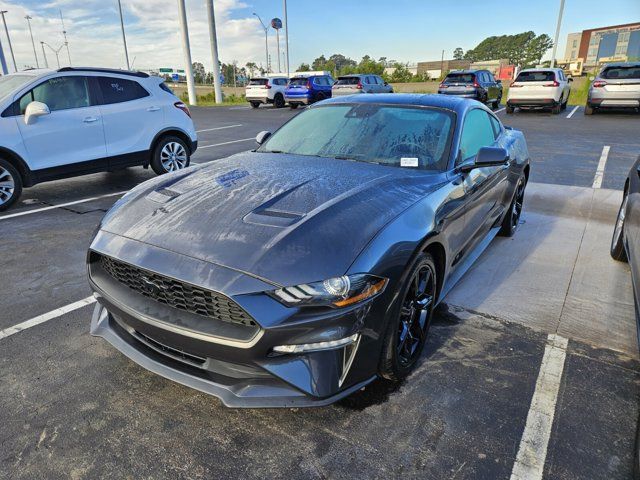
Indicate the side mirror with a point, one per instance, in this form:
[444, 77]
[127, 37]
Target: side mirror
[262, 137]
[488, 157]
[35, 110]
[386, 84]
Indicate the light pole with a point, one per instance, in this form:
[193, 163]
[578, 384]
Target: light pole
[555, 40]
[266, 40]
[64, 34]
[33, 44]
[187, 53]
[6, 30]
[44, 54]
[214, 51]
[3, 63]
[124, 38]
[276, 24]
[54, 50]
[286, 37]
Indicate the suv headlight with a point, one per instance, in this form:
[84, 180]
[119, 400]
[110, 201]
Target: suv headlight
[334, 292]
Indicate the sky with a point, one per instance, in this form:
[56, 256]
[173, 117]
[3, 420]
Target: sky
[403, 30]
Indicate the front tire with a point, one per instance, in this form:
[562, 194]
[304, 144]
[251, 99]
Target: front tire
[408, 326]
[254, 104]
[293, 106]
[278, 101]
[512, 217]
[10, 184]
[617, 240]
[171, 154]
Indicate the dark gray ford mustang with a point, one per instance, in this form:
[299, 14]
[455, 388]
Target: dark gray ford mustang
[295, 274]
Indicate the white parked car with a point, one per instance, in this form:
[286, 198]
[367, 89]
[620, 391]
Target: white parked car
[75, 121]
[267, 89]
[539, 88]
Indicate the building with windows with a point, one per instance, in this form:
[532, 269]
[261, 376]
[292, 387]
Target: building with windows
[616, 43]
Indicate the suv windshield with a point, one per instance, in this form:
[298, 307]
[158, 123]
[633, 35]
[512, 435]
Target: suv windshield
[621, 73]
[9, 83]
[391, 135]
[298, 81]
[460, 78]
[258, 81]
[536, 77]
[348, 80]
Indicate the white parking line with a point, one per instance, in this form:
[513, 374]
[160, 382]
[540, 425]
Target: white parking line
[239, 108]
[575, 109]
[68, 204]
[532, 453]
[597, 180]
[500, 110]
[227, 143]
[218, 128]
[45, 317]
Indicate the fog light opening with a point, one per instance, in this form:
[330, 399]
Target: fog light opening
[319, 346]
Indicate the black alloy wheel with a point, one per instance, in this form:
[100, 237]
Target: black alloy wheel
[512, 217]
[617, 240]
[407, 333]
[278, 100]
[254, 104]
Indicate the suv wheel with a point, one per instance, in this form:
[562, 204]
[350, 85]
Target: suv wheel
[278, 100]
[556, 109]
[171, 154]
[10, 184]
[254, 104]
[509, 109]
[588, 109]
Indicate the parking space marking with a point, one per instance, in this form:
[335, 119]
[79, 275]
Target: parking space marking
[227, 143]
[62, 205]
[532, 453]
[500, 110]
[45, 317]
[575, 109]
[239, 108]
[597, 180]
[218, 128]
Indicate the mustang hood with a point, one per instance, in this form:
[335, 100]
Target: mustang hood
[289, 219]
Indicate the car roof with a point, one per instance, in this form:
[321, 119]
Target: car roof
[448, 102]
[475, 70]
[621, 64]
[358, 75]
[545, 69]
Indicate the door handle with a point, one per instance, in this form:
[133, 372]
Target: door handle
[90, 119]
[153, 109]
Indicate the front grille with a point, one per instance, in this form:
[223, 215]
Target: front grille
[175, 293]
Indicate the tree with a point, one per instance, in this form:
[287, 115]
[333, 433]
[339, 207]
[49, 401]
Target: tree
[251, 67]
[401, 74]
[198, 72]
[304, 67]
[521, 49]
[458, 54]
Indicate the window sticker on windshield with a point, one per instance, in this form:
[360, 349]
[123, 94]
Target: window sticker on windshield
[409, 162]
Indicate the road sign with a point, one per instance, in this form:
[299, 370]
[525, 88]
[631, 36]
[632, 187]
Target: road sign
[175, 77]
[276, 23]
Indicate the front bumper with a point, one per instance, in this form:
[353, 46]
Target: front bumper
[233, 362]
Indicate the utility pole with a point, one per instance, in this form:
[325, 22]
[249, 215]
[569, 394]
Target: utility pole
[286, 37]
[6, 30]
[3, 63]
[56, 51]
[266, 40]
[124, 38]
[278, 50]
[46, 62]
[442, 65]
[64, 34]
[187, 53]
[555, 40]
[213, 38]
[33, 44]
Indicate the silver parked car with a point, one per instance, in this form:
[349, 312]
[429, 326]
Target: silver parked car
[350, 84]
[617, 85]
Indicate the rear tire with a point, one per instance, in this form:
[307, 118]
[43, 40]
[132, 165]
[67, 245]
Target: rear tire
[512, 217]
[171, 154]
[254, 104]
[509, 109]
[617, 240]
[408, 325]
[278, 100]
[556, 109]
[10, 185]
[293, 106]
[588, 109]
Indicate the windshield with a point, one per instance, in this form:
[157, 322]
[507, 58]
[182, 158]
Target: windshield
[348, 80]
[621, 73]
[536, 77]
[460, 78]
[391, 135]
[9, 83]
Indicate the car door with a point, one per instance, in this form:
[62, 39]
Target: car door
[72, 134]
[131, 116]
[484, 187]
[493, 86]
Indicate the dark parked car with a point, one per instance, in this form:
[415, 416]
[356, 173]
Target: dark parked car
[295, 274]
[478, 84]
[625, 247]
[308, 90]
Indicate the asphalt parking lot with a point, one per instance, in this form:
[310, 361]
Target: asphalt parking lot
[75, 407]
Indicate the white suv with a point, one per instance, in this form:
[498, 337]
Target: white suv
[539, 88]
[269, 89]
[74, 121]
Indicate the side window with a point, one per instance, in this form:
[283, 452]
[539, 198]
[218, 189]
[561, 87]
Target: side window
[491, 77]
[118, 90]
[59, 93]
[477, 132]
[497, 128]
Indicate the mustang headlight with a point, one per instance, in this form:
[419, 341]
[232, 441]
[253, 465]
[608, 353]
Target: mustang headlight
[333, 292]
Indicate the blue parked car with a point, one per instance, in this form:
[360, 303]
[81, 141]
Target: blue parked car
[308, 90]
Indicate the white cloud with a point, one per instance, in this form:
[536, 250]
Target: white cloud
[152, 29]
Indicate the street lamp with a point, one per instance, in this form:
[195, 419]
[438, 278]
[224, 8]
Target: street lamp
[555, 40]
[33, 44]
[15, 67]
[213, 38]
[186, 48]
[124, 38]
[286, 37]
[44, 54]
[54, 50]
[266, 40]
